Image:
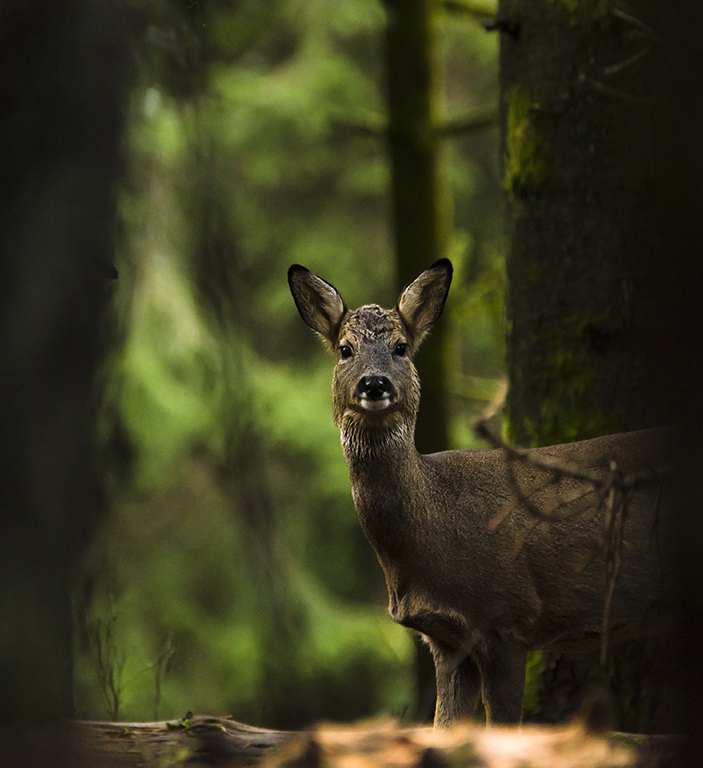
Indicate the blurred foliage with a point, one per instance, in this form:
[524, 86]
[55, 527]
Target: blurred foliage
[232, 570]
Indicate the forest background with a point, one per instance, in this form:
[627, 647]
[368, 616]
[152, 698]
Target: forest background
[231, 575]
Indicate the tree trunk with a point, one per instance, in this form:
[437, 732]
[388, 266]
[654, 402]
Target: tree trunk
[576, 118]
[575, 139]
[672, 239]
[62, 85]
[421, 213]
[420, 195]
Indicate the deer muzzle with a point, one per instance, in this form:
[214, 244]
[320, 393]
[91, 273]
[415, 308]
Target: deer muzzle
[375, 392]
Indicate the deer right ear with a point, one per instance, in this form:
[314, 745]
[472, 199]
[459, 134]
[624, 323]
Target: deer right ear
[319, 303]
[422, 301]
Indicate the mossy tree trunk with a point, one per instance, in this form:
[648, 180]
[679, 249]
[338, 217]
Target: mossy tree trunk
[576, 115]
[575, 138]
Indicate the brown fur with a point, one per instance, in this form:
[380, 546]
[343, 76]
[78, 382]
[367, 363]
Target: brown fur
[466, 562]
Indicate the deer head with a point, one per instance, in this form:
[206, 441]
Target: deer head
[376, 389]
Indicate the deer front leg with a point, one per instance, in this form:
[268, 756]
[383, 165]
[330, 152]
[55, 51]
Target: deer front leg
[502, 666]
[458, 685]
[497, 671]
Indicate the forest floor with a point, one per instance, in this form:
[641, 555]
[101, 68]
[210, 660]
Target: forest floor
[222, 742]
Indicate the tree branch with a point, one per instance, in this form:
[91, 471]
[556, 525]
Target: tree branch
[613, 492]
[376, 126]
[477, 10]
[470, 121]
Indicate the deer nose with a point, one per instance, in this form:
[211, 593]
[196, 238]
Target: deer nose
[375, 387]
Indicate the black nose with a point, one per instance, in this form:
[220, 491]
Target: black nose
[375, 387]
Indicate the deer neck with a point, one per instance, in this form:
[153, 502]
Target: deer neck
[386, 479]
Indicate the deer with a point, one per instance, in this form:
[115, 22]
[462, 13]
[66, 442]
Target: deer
[485, 557]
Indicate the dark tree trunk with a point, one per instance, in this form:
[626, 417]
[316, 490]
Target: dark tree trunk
[577, 108]
[61, 94]
[576, 111]
[672, 239]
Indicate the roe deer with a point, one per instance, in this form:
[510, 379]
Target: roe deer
[467, 563]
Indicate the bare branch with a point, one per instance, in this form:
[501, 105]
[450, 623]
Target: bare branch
[610, 489]
[601, 480]
[640, 26]
[472, 120]
[547, 464]
[615, 68]
[606, 90]
[471, 8]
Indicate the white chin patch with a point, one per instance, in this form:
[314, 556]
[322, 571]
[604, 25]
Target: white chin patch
[374, 405]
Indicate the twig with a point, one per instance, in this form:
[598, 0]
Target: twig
[615, 68]
[615, 526]
[633, 21]
[614, 492]
[525, 455]
[109, 664]
[606, 90]
[472, 120]
[558, 468]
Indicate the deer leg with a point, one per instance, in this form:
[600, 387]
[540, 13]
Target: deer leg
[503, 675]
[458, 685]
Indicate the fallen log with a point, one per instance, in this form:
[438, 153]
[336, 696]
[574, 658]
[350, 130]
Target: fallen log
[194, 740]
[224, 743]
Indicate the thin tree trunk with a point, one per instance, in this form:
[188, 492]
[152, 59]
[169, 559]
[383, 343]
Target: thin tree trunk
[420, 196]
[421, 213]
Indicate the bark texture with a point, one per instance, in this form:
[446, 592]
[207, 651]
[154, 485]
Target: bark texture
[584, 306]
[576, 108]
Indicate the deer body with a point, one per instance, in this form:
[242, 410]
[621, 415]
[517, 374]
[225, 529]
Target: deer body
[466, 563]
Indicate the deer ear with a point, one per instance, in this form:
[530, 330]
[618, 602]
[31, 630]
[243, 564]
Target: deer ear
[319, 303]
[422, 301]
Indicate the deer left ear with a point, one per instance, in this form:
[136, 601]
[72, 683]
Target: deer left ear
[421, 302]
[319, 303]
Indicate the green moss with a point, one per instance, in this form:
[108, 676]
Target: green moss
[567, 415]
[568, 411]
[527, 166]
[585, 11]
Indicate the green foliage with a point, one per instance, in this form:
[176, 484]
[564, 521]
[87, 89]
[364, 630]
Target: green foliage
[241, 581]
[537, 663]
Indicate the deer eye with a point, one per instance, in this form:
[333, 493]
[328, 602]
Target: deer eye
[345, 351]
[401, 349]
